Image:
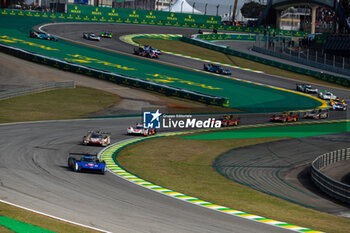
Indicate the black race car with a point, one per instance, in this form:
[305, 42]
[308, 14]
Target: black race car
[216, 69]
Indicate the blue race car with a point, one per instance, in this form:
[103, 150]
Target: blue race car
[43, 36]
[216, 69]
[86, 162]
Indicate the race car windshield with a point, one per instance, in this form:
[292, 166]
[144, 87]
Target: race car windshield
[139, 127]
[88, 160]
[95, 136]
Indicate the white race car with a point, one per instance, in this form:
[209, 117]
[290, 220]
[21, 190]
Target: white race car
[95, 137]
[306, 88]
[140, 130]
[338, 106]
[326, 95]
[91, 36]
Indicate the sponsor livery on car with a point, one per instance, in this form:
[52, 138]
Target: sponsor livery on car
[229, 121]
[145, 53]
[285, 117]
[43, 36]
[140, 130]
[216, 69]
[86, 162]
[91, 36]
[106, 34]
[326, 95]
[339, 106]
[307, 88]
[95, 137]
[150, 48]
[316, 114]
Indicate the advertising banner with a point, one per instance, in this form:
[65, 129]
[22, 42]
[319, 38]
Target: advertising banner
[143, 16]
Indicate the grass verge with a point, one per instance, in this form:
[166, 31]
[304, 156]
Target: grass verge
[38, 220]
[187, 168]
[196, 51]
[70, 103]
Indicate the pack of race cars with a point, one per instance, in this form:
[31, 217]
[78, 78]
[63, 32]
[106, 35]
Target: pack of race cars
[335, 102]
[94, 37]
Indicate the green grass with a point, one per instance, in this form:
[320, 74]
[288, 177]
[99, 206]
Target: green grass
[187, 168]
[295, 131]
[38, 220]
[70, 103]
[196, 51]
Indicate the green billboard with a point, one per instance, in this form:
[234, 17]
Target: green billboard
[162, 18]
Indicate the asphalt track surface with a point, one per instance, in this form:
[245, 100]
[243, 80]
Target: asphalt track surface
[74, 32]
[264, 99]
[34, 171]
[34, 174]
[281, 169]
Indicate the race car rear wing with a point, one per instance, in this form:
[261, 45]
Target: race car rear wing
[98, 132]
[87, 154]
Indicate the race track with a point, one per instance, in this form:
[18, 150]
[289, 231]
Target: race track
[34, 172]
[74, 31]
[282, 169]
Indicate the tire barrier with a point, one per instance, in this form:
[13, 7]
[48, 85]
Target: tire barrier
[328, 185]
[116, 78]
[319, 75]
[35, 89]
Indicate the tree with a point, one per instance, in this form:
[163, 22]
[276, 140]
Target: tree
[252, 9]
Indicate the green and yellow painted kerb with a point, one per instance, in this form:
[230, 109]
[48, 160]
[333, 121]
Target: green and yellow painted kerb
[110, 156]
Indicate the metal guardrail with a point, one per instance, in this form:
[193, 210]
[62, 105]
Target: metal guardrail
[330, 186]
[304, 58]
[35, 89]
[300, 70]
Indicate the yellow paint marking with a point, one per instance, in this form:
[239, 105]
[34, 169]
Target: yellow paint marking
[267, 220]
[167, 79]
[84, 58]
[77, 60]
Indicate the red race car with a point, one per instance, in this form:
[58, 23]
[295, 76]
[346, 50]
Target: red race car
[140, 130]
[229, 121]
[285, 117]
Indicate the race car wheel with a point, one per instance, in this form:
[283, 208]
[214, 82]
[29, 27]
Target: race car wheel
[76, 167]
[104, 170]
